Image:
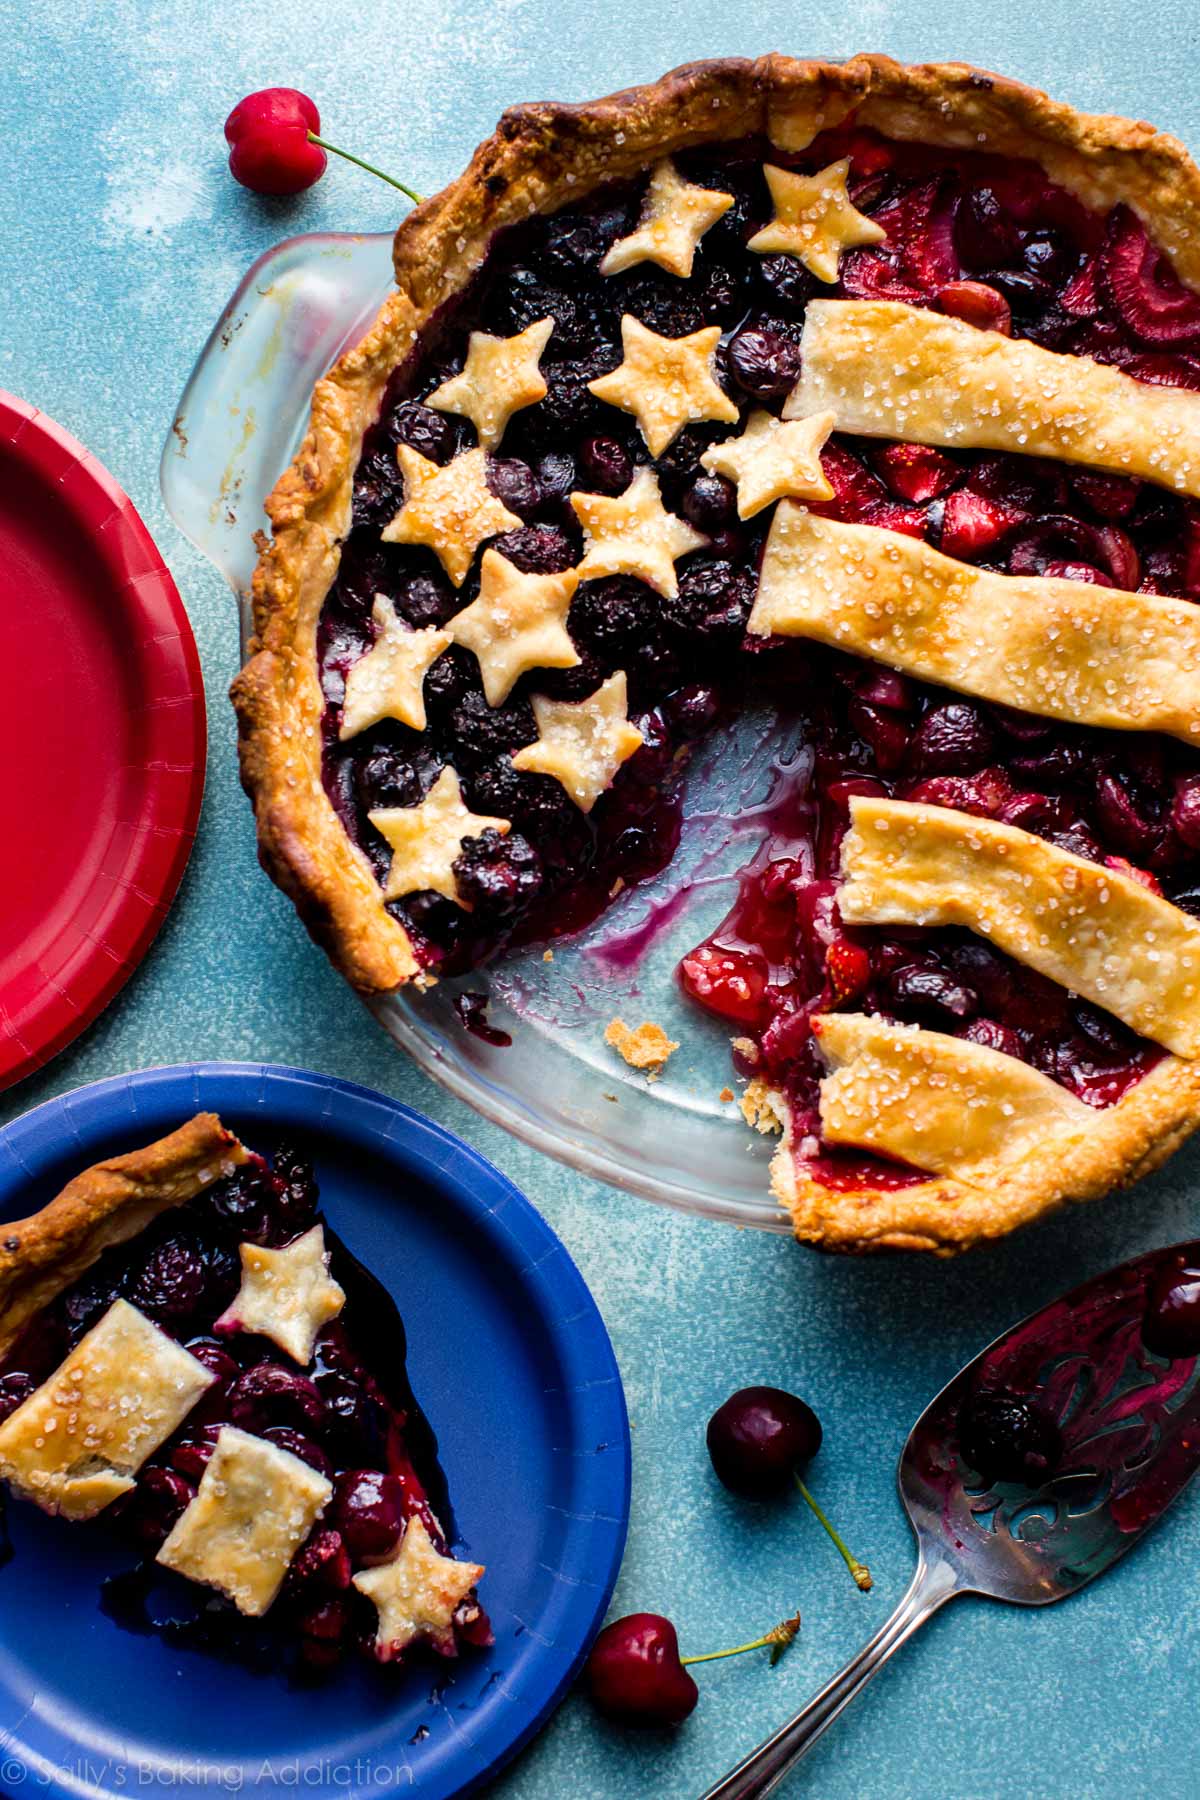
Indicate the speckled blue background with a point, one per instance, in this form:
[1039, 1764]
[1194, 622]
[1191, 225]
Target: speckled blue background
[121, 236]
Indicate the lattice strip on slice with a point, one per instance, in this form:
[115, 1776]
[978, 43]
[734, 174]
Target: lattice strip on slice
[939, 1102]
[896, 371]
[1064, 649]
[1096, 932]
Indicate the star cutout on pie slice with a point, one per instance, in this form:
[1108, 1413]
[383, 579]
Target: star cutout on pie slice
[426, 839]
[451, 509]
[666, 383]
[500, 377]
[634, 534]
[771, 461]
[675, 216]
[582, 743]
[814, 219]
[417, 1593]
[388, 682]
[519, 622]
[286, 1295]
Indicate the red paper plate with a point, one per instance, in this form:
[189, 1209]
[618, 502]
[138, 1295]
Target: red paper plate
[101, 738]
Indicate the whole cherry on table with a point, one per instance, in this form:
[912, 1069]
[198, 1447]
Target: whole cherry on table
[276, 145]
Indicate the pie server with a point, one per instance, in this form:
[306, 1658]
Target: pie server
[1130, 1424]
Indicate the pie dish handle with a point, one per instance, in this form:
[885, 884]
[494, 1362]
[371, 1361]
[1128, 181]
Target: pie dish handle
[245, 406]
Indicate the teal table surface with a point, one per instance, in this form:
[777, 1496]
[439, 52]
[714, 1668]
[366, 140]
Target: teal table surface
[121, 236]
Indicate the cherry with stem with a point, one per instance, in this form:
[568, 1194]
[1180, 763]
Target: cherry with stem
[759, 1440]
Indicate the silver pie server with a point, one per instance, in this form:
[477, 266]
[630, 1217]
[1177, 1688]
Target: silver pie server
[1130, 1428]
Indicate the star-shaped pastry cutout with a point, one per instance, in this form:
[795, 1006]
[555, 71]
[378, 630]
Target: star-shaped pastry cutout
[771, 461]
[286, 1295]
[675, 216]
[582, 744]
[634, 534]
[426, 839]
[666, 383]
[388, 682]
[450, 509]
[417, 1593]
[814, 219]
[501, 375]
[519, 622]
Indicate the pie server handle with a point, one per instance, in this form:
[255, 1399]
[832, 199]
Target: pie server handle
[761, 1772]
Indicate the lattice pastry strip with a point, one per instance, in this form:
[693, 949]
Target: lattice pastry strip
[896, 371]
[1064, 649]
[1094, 931]
[937, 1102]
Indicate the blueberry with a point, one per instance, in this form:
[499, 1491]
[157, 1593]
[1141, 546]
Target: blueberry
[763, 363]
[514, 484]
[1008, 1437]
[498, 875]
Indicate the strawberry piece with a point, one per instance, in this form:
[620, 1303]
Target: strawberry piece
[915, 471]
[972, 524]
[1079, 297]
[888, 516]
[1124, 867]
[726, 982]
[870, 275]
[854, 487]
[1162, 370]
[849, 969]
[984, 794]
[976, 304]
[1143, 289]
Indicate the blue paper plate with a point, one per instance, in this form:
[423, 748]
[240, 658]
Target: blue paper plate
[510, 1359]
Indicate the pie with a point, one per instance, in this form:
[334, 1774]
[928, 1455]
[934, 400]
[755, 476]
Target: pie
[871, 389]
[189, 1353]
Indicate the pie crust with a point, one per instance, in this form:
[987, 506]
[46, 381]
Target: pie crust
[75, 1445]
[254, 1507]
[540, 158]
[890, 370]
[1091, 929]
[1064, 649]
[105, 1205]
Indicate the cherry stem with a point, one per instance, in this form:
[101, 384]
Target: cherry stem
[369, 167]
[779, 1637]
[860, 1571]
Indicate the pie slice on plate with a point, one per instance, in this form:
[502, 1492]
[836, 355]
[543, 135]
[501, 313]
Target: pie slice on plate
[875, 391]
[189, 1356]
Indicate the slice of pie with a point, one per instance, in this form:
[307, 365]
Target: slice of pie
[874, 390]
[190, 1355]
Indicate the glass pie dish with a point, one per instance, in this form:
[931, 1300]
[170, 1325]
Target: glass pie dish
[678, 1138]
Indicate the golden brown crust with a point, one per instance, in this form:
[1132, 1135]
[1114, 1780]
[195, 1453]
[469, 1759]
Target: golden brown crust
[105, 1205]
[539, 158]
[1129, 1139]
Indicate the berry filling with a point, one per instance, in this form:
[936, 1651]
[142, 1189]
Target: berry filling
[350, 1415]
[989, 241]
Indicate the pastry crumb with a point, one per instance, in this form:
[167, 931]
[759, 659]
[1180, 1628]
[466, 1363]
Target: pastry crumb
[725, 1096]
[761, 1108]
[646, 1048]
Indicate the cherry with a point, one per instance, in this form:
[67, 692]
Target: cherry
[271, 151]
[368, 1510]
[276, 146]
[1171, 1324]
[1007, 1437]
[636, 1674]
[759, 1440]
[759, 1437]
